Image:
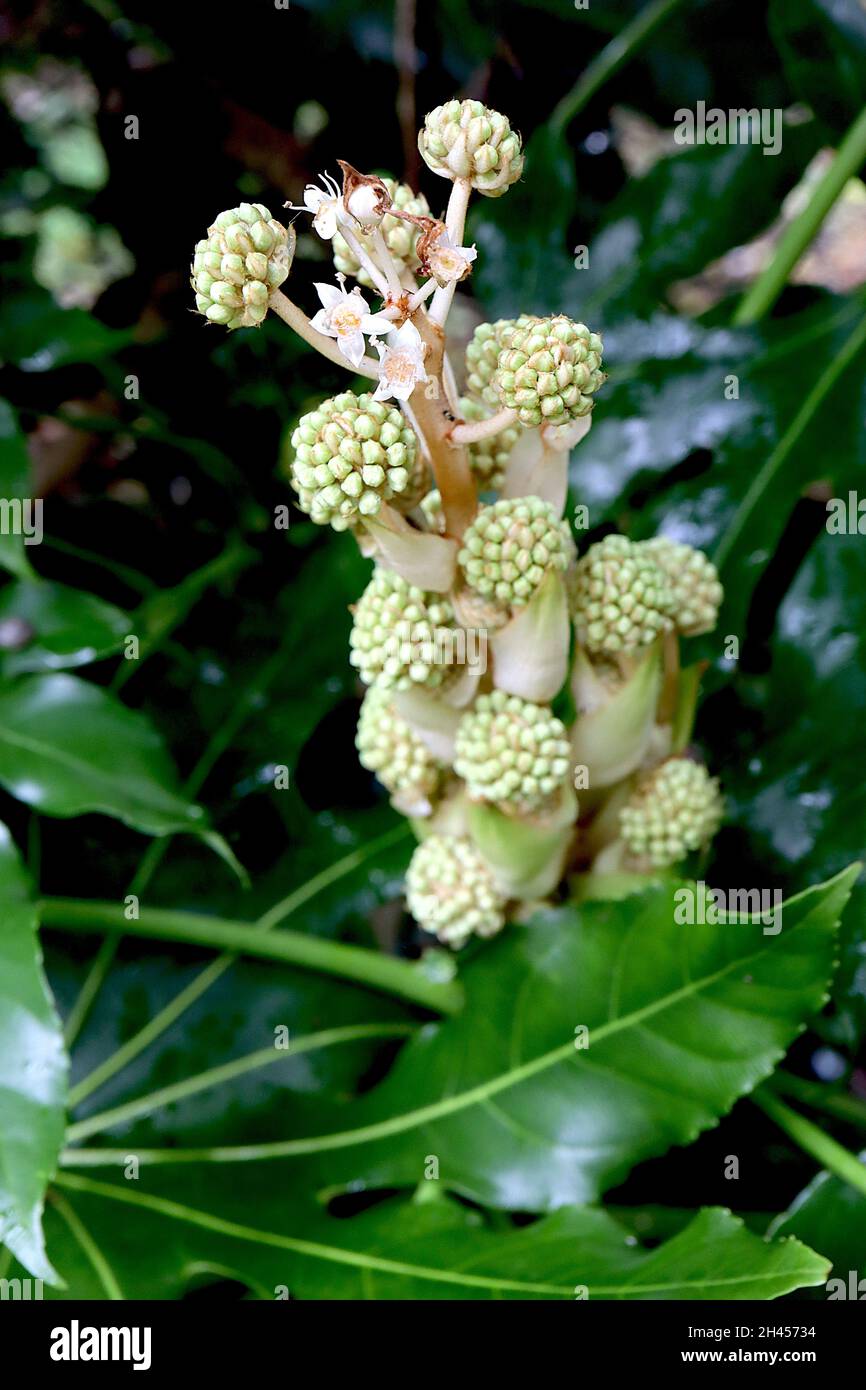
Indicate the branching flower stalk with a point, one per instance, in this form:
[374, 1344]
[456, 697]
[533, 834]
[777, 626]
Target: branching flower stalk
[525, 706]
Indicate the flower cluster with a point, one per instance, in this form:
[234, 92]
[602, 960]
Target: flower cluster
[244, 258]
[351, 454]
[503, 671]
[510, 547]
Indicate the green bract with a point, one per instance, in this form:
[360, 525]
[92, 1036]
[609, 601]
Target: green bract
[512, 753]
[509, 548]
[622, 599]
[352, 454]
[466, 140]
[450, 891]
[548, 369]
[246, 255]
[402, 636]
[675, 809]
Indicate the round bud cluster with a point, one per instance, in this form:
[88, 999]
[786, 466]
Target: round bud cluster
[694, 583]
[482, 357]
[547, 370]
[450, 891]
[236, 268]
[401, 636]
[389, 746]
[351, 454]
[466, 140]
[401, 237]
[510, 546]
[512, 752]
[621, 597]
[488, 457]
[677, 808]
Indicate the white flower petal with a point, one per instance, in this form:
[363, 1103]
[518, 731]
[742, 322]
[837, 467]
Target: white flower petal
[351, 346]
[325, 221]
[363, 205]
[322, 323]
[329, 295]
[406, 337]
[402, 390]
[376, 323]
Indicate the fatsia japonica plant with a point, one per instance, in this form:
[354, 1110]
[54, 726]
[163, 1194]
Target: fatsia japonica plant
[576, 1002]
[479, 615]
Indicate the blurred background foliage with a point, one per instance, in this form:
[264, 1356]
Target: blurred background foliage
[158, 446]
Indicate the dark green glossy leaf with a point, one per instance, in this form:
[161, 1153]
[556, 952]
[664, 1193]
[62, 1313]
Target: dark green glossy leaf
[831, 1216]
[67, 627]
[37, 336]
[288, 660]
[823, 48]
[432, 1250]
[67, 747]
[681, 1022]
[15, 486]
[240, 1011]
[691, 415]
[803, 796]
[32, 1070]
[796, 788]
[523, 259]
[691, 208]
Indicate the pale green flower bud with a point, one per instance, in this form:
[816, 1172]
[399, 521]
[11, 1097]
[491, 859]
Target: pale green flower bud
[352, 454]
[510, 547]
[675, 809]
[694, 583]
[450, 891]
[512, 753]
[488, 457]
[622, 599]
[245, 257]
[466, 140]
[402, 637]
[482, 357]
[548, 369]
[434, 512]
[389, 746]
[401, 237]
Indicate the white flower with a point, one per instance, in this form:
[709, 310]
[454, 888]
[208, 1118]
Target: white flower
[363, 204]
[324, 204]
[447, 262]
[347, 318]
[401, 364]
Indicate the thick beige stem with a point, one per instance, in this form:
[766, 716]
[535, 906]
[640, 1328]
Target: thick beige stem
[450, 460]
[484, 429]
[671, 680]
